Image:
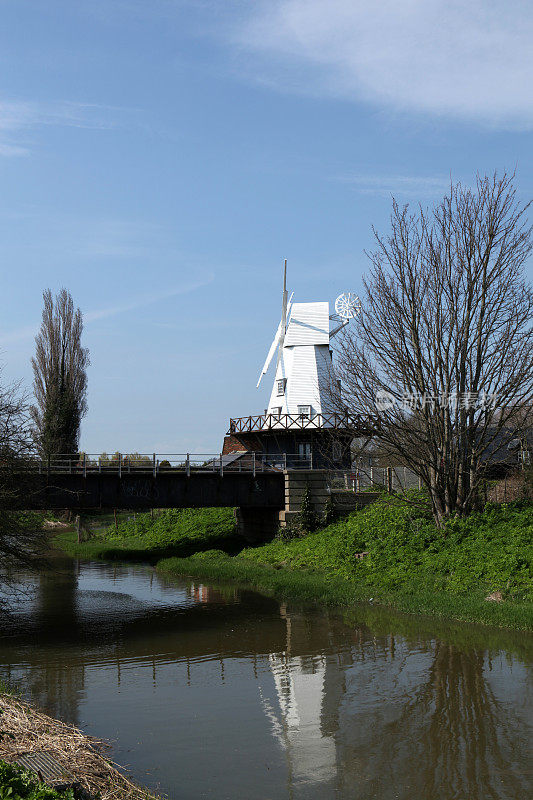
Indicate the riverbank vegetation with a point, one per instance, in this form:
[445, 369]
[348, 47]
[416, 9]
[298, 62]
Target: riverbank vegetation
[23, 729]
[393, 554]
[17, 784]
[180, 532]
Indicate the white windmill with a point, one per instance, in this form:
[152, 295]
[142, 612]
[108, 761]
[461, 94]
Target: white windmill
[304, 369]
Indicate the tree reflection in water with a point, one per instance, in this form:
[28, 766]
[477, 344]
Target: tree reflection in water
[384, 720]
[342, 711]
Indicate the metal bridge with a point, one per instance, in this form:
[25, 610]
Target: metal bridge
[265, 492]
[144, 481]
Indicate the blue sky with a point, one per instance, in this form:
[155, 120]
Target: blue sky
[160, 159]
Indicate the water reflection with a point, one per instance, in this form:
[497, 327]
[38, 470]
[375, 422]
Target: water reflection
[216, 692]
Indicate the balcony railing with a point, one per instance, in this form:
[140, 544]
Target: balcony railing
[298, 422]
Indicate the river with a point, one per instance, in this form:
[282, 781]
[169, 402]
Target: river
[215, 692]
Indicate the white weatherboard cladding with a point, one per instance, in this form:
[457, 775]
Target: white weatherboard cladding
[308, 324]
[307, 372]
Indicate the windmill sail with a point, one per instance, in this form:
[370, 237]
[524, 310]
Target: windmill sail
[270, 354]
[282, 327]
[283, 323]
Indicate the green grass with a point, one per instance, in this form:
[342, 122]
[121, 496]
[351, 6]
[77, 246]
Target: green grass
[488, 551]
[316, 587]
[17, 784]
[171, 532]
[410, 565]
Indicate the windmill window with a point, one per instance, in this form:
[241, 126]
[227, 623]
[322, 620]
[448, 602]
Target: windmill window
[304, 411]
[276, 411]
[281, 386]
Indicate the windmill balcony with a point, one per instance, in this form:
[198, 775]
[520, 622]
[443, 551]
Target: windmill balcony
[294, 422]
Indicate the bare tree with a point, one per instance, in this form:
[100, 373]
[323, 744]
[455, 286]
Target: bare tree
[22, 540]
[441, 357]
[60, 376]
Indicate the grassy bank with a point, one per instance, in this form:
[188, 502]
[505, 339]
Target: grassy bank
[290, 584]
[409, 564]
[143, 538]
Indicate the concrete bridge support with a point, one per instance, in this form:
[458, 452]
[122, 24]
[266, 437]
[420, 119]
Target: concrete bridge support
[296, 483]
[262, 524]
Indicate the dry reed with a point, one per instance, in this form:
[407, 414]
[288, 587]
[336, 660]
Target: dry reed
[23, 729]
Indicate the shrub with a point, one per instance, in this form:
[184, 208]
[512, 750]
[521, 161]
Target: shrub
[329, 511]
[292, 530]
[308, 517]
[17, 784]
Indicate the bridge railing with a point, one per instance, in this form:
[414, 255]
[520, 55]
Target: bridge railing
[157, 463]
[379, 478]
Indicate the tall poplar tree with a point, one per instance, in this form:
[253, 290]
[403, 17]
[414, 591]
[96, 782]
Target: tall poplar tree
[60, 376]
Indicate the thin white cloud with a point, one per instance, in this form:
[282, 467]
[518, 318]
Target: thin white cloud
[64, 235]
[146, 300]
[29, 331]
[467, 60]
[18, 118]
[10, 150]
[397, 185]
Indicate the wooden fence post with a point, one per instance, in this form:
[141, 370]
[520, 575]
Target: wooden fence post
[389, 479]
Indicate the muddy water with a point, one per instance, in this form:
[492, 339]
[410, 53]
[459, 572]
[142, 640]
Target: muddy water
[219, 693]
